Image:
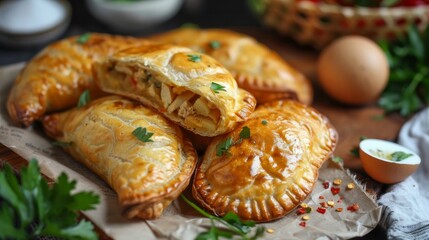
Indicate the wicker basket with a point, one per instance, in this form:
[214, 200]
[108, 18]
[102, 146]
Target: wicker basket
[318, 24]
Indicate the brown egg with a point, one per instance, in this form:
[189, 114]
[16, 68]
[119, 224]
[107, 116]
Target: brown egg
[377, 160]
[353, 70]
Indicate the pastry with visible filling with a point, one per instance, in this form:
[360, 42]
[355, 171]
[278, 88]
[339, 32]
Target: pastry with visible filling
[189, 88]
[55, 78]
[148, 168]
[256, 68]
[268, 165]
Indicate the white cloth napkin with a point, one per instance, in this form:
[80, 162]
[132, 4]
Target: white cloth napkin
[406, 204]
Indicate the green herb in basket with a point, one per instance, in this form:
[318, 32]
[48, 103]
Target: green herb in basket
[408, 88]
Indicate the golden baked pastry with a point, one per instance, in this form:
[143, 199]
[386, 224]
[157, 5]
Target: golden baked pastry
[256, 68]
[264, 177]
[55, 78]
[146, 174]
[189, 88]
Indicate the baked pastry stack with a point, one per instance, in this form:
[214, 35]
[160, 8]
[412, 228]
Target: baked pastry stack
[133, 141]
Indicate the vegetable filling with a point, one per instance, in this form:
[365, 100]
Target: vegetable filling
[195, 110]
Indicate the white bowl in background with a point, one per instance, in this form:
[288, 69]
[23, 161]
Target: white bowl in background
[35, 29]
[135, 15]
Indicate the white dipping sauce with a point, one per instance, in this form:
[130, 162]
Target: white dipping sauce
[30, 16]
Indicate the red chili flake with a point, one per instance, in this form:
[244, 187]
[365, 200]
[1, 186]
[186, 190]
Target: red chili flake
[353, 208]
[335, 190]
[321, 197]
[339, 201]
[133, 81]
[302, 224]
[321, 210]
[324, 204]
[301, 211]
[341, 198]
[326, 185]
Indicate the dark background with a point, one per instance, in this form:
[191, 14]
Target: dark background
[205, 13]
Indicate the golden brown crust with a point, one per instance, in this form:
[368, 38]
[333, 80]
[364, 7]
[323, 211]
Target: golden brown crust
[256, 68]
[54, 79]
[167, 79]
[267, 175]
[147, 176]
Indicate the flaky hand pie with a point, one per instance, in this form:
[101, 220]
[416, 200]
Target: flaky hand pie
[266, 166]
[189, 88]
[256, 68]
[147, 173]
[54, 79]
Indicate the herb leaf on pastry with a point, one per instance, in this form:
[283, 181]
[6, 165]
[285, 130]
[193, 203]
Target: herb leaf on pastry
[144, 157]
[189, 88]
[266, 166]
[256, 68]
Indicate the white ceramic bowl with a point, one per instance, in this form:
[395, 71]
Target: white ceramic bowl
[34, 37]
[133, 16]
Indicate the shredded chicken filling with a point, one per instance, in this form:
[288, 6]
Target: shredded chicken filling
[193, 108]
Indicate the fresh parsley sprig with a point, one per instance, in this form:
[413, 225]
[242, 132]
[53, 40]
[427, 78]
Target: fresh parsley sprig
[408, 88]
[223, 147]
[216, 87]
[194, 57]
[215, 44]
[30, 208]
[142, 134]
[235, 226]
[84, 98]
[399, 156]
[83, 38]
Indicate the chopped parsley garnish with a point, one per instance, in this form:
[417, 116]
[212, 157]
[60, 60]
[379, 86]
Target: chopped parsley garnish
[83, 38]
[217, 87]
[215, 44]
[355, 150]
[264, 122]
[245, 132]
[61, 144]
[33, 209]
[142, 134]
[399, 156]
[84, 98]
[223, 147]
[194, 57]
[337, 159]
[235, 226]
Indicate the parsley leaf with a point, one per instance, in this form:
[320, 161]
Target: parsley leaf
[399, 156]
[84, 98]
[245, 132]
[61, 144]
[215, 44]
[337, 159]
[217, 87]
[223, 147]
[407, 90]
[234, 224]
[355, 150]
[83, 38]
[264, 122]
[142, 134]
[194, 57]
[31, 209]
